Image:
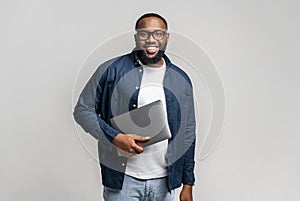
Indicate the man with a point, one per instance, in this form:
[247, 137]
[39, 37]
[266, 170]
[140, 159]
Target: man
[129, 171]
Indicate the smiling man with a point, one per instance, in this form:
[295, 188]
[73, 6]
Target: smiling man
[151, 40]
[130, 171]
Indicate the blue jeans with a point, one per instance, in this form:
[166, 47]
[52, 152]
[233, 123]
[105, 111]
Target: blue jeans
[140, 190]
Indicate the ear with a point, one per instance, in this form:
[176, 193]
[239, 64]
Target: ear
[167, 37]
[135, 38]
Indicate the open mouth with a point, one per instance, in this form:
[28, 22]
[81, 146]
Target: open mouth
[151, 51]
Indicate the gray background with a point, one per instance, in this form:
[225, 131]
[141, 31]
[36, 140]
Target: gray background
[255, 45]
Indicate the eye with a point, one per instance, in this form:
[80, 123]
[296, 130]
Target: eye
[159, 34]
[143, 34]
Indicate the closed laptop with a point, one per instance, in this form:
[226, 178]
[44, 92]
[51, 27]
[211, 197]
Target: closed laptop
[148, 121]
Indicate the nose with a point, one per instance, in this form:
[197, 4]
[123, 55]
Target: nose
[151, 39]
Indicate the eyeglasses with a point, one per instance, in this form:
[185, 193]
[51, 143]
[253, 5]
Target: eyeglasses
[145, 35]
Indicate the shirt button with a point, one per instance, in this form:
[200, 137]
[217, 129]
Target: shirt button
[123, 164]
[140, 70]
[136, 87]
[134, 105]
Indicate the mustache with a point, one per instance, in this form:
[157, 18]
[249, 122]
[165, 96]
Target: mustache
[151, 44]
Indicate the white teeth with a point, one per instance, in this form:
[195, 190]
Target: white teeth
[151, 49]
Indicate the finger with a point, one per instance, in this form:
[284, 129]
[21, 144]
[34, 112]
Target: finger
[141, 139]
[131, 151]
[138, 149]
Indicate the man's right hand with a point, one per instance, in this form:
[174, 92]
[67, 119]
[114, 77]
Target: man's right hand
[127, 143]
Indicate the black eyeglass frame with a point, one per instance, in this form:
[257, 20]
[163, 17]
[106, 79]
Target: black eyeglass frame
[149, 33]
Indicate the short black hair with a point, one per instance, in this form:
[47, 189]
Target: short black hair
[150, 15]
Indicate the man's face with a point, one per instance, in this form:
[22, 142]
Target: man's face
[151, 40]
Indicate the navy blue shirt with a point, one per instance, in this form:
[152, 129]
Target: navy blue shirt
[112, 90]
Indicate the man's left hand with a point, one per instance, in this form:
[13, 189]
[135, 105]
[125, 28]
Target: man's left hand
[186, 193]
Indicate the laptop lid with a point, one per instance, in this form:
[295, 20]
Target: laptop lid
[148, 121]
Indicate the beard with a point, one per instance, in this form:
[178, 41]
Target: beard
[147, 60]
[150, 60]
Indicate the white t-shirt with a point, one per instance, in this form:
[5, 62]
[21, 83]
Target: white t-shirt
[152, 163]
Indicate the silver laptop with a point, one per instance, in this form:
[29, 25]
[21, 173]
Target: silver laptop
[147, 121]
